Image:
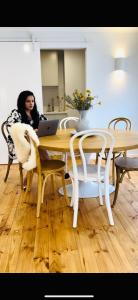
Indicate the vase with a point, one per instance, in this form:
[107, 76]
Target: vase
[84, 122]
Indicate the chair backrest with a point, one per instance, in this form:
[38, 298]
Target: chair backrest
[63, 122]
[113, 123]
[4, 130]
[38, 161]
[5, 133]
[107, 139]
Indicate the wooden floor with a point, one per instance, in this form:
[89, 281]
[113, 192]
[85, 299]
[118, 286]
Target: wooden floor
[50, 244]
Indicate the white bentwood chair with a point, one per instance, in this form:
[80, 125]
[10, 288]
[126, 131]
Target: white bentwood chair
[88, 172]
[63, 122]
[63, 125]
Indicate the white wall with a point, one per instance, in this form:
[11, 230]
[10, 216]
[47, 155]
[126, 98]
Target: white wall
[18, 71]
[118, 96]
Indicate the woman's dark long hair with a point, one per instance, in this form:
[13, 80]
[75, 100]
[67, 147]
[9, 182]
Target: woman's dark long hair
[21, 109]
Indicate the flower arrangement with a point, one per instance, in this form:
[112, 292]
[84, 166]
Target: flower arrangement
[81, 101]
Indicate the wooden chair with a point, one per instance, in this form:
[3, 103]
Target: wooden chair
[44, 169]
[123, 165]
[113, 125]
[5, 132]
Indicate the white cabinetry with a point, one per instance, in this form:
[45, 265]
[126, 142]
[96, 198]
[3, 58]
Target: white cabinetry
[74, 70]
[49, 68]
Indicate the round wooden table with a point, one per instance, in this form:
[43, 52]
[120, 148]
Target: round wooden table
[124, 140]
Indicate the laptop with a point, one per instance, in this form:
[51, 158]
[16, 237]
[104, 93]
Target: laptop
[47, 127]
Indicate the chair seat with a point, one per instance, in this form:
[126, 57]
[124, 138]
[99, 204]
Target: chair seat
[91, 172]
[52, 165]
[127, 163]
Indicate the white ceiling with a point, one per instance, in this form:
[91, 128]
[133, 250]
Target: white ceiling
[44, 33]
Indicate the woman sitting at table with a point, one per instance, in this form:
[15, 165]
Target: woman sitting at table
[27, 113]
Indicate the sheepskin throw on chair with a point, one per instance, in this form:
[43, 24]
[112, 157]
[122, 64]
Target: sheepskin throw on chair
[24, 148]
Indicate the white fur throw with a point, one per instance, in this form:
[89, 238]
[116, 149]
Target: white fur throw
[24, 150]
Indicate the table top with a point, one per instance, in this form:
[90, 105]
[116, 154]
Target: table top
[124, 140]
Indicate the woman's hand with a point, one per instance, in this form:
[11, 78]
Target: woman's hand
[36, 129]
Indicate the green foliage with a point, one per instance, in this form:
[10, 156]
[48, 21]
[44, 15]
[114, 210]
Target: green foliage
[80, 101]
